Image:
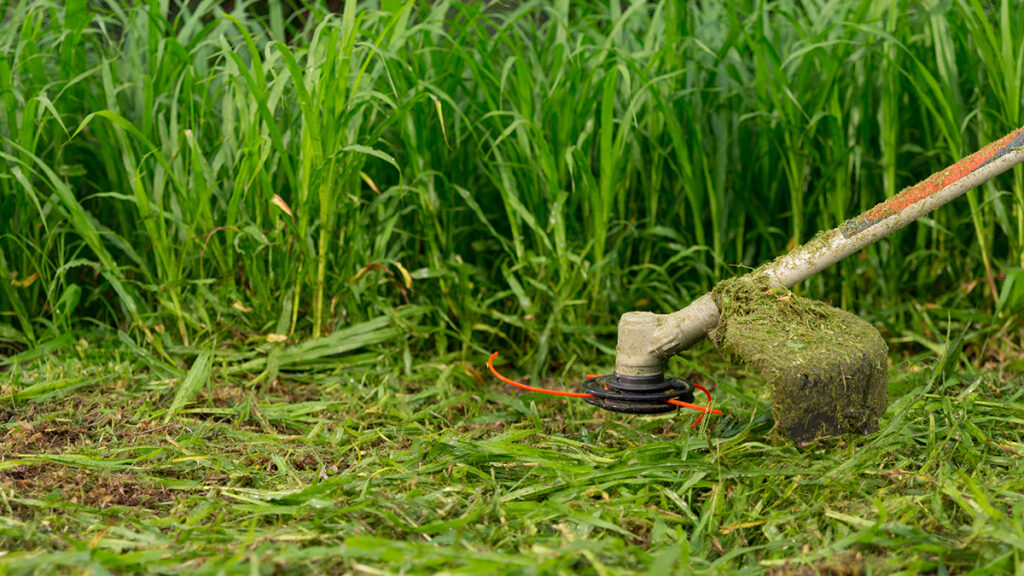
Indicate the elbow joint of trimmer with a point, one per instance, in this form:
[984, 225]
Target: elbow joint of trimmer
[636, 355]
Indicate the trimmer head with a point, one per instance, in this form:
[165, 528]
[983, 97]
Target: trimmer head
[637, 394]
[649, 394]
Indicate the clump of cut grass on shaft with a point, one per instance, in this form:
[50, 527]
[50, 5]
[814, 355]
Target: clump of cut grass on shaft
[826, 369]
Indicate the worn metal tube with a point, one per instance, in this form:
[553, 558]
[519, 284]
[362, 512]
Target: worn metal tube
[646, 339]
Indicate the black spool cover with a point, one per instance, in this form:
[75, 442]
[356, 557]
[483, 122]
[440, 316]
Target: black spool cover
[642, 384]
[647, 395]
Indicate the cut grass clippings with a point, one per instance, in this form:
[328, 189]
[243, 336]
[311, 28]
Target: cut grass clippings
[355, 472]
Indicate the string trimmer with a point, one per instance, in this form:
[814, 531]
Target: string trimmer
[826, 368]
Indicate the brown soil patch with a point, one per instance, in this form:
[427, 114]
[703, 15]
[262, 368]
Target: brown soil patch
[845, 564]
[29, 438]
[305, 461]
[83, 487]
[55, 427]
[228, 396]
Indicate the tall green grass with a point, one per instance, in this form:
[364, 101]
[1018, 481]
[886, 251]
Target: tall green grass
[525, 174]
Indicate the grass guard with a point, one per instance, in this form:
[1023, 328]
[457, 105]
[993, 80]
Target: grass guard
[825, 368]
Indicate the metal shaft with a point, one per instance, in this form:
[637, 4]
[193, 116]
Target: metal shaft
[646, 340]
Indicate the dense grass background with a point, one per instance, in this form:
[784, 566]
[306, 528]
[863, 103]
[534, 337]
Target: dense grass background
[272, 244]
[525, 173]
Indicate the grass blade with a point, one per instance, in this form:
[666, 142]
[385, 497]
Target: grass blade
[197, 377]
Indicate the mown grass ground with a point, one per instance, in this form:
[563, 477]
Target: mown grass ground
[366, 470]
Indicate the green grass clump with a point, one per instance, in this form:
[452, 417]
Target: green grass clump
[253, 256]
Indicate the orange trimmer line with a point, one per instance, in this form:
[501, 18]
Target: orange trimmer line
[703, 409]
[510, 382]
